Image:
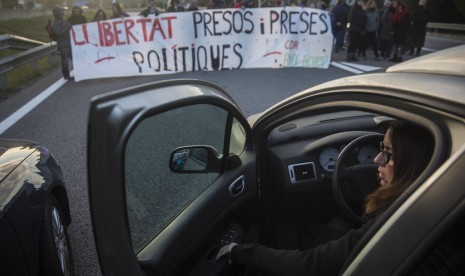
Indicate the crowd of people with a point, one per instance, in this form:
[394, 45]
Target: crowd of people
[390, 31]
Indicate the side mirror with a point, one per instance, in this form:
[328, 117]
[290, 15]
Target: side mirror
[196, 159]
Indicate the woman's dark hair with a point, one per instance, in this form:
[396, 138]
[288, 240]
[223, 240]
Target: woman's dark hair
[412, 148]
[77, 8]
[118, 7]
[97, 16]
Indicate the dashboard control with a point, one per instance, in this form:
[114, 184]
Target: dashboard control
[233, 233]
[366, 154]
[328, 158]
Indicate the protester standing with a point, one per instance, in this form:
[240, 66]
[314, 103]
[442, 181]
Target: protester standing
[243, 4]
[77, 17]
[172, 6]
[61, 29]
[321, 5]
[372, 28]
[118, 11]
[420, 18]
[192, 5]
[357, 26]
[385, 30]
[400, 29]
[99, 16]
[151, 9]
[182, 5]
[340, 13]
[216, 4]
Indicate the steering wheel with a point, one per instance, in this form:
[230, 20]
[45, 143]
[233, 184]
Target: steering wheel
[352, 184]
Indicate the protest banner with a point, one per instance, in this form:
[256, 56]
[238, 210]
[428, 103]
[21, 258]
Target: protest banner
[204, 40]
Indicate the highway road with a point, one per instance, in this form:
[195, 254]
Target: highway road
[58, 119]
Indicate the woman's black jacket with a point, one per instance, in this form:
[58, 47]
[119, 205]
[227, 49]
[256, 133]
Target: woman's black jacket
[326, 259]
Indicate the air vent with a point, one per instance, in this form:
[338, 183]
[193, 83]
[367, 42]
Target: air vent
[302, 172]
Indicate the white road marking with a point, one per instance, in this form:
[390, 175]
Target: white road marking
[365, 68]
[347, 68]
[20, 113]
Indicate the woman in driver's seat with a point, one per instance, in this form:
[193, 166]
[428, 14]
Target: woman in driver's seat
[404, 154]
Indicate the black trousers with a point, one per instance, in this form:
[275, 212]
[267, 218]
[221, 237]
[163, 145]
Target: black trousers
[354, 42]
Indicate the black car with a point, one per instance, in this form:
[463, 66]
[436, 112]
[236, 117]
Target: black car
[34, 212]
[274, 178]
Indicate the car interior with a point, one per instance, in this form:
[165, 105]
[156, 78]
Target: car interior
[293, 178]
[307, 195]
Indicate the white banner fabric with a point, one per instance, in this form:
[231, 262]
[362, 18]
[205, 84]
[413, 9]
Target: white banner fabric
[204, 40]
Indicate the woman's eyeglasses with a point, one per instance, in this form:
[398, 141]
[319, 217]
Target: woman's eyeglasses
[385, 155]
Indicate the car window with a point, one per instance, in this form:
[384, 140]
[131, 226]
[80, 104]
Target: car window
[238, 136]
[446, 258]
[154, 194]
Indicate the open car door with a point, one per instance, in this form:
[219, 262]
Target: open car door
[172, 177]
[173, 172]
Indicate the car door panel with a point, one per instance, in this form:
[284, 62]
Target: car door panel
[197, 228]
[188, 234]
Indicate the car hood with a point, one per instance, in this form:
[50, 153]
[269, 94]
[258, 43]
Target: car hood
[444, 63]
[12, 153]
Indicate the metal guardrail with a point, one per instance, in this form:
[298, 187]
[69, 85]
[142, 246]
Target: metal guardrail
[8, 41]
[446, 26]
[32, 51]
[9, 63]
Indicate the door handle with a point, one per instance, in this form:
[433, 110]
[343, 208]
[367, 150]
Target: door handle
[237, 186]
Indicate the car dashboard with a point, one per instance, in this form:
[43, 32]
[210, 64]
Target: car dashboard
[304, 151]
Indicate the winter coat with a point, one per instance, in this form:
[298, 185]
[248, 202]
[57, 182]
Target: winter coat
[340, 13]
[76, 19]
[61, 29]
[357, 20]
[386, 25]
[420, 18]
[400, 26]
[372, 20]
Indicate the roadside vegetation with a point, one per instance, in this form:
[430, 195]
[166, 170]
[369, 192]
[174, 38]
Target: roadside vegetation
[31, 28]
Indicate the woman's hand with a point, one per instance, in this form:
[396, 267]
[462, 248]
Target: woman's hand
[225, 250]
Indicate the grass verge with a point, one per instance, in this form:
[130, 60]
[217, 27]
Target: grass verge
[32, 28]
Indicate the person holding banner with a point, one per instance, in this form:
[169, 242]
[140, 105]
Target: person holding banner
[118, 11]
[216, 4]
[172, 6]
[181, 5]
[151, 9]
[77, 17]
[192, 5]
[100, 15]
[61, 28]
[243, 4]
